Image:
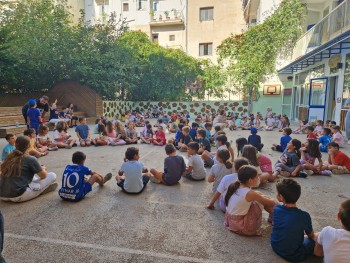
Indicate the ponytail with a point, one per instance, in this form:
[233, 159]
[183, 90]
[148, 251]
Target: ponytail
[297, 144]
[225, 156]
[231, 190]
[228, 165]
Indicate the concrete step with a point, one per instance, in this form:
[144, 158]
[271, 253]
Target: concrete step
[10, 111]
[12, 129]
[11, 120]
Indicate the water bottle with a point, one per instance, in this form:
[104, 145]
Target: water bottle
[17, 124]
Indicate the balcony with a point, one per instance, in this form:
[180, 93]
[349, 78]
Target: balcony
[250, 9]
[167, 18]
[333, 25]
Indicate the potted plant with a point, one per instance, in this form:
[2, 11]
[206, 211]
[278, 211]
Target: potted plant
[175, 13]
[166, 13]
[152, 14]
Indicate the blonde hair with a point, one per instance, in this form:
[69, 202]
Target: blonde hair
[186, 129]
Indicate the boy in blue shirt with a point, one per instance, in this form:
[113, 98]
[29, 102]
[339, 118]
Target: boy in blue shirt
[204, 143]
[10, 147]
[193, 131]
[285, 139]
[255, 139]
[74, 186]
[83, 132]
[290, 223]
[325, 139]
[33, 116]
[208, 126]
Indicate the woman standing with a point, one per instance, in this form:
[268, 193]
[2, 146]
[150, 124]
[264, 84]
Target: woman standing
[22, 178]
[347, 119]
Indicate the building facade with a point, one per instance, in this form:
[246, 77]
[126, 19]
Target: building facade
[319, 67]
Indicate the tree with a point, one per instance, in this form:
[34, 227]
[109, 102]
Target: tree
[252, 55]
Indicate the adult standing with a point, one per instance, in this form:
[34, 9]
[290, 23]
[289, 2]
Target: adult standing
[42, 104]
[22, 178]
[347, 119]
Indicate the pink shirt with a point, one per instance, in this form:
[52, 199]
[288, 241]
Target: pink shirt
[265, 163]
[338, 138]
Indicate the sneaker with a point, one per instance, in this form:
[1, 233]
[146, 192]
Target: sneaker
[53, 148]
[107, 178]
[302, 174]
[52, 187]
[153, 179]
[74, 145]
[273, 148]
[68, 146]
[309, 172]
[326, 172]
[71, 126]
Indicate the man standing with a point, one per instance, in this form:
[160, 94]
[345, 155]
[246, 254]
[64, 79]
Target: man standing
[42, 104]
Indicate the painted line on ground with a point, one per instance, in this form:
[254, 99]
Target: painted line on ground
[108, 248]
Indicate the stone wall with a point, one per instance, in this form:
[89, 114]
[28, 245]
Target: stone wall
[112, 108]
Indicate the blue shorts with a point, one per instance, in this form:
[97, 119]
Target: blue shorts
[87, 187]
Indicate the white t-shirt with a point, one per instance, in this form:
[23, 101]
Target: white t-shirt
[218, 171]
[133, 176]
[196, 162]
[336, 245]
[270, 122]
[225, 183]
[238, 205]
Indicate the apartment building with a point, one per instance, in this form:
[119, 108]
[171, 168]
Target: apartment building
[320, 63]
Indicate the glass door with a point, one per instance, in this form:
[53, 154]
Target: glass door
[317, 99]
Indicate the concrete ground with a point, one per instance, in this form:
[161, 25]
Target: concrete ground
[163, 224]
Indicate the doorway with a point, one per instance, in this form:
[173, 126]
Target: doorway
[330, 107]
[318, 99]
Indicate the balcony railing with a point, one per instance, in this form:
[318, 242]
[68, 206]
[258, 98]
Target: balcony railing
[331, 26]
[167, 17]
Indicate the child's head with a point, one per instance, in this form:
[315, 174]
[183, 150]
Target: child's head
[335, 129]
[43, 129]
[170, 149]
[201, 133]
[195, 125]
[160, 128]
[30, 133]
[98, 121]
[160, 121]
[287, 131]
[61, 126]
[333, 123]
[319, 123]
[132, 154]
[149, 126]
[223, 156]
[147, 122]
[78, 158]
[326, 131]
[344, 214]
[208, 126]
[240, 142]
[193, 148]
[109, 126]
[82, 120]
[180, 126]
[217, 128]
[313, 147]
[222, 140]
[333, 147]
[253, 130]
[294, 146]
[10, 138]
[186, 130]
[32, 103]
[101, 128]
[131, 125]
[288, 191]
[250, 152]
[239, 162]
[309, 129]
[247, 175]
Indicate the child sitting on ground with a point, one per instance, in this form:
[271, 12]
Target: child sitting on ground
[244, 206]
[44, 139]
[208, 126]
[178, 136]
[195, 170]
[33, 149]
[121, 134]
[309, 153]
[160, 139]
[290, 224]
[147, 136]
[337, 136]
[240, 143]
[285, 139]
[270, 122]
[310, 133]
[74, 186]
[289, 162]
[61, 136]
[131, 134]
[132, 177]
[174, 168]
[325, 139]
[217, 129]
[97, 122]
[255, 139]
[220, 169]
[186, 139]
[193, 131]
[226, 181]
[319, 128]
[102, 139]
[10, 146]
[204, 143]
[338, 162]
[210, 157]
[334, 244]
[83, 132]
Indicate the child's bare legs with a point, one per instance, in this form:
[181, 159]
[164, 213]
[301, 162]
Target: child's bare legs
[82, 142]
[171, 141]
[183, 148]
[97, 178]
[157, 174]
[205, 155]
[267, 177]
[71, 142]
[42, 149]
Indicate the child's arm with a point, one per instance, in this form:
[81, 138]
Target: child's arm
[318, 250]
[189, 169]
[213, 199]
[79, 137]
[296, 170]
[230, 149]
[261, 198]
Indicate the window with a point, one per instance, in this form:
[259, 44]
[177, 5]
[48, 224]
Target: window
[206, 49]
[125, 7]
[141, 4]
[155, 38]
[206, 14]
[171, 37]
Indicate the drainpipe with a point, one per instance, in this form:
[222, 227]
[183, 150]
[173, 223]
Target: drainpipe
[186, 26]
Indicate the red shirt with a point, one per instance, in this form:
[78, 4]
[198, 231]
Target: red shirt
[311, 136]
[160, 137]
[265, 163]
[341, 159]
